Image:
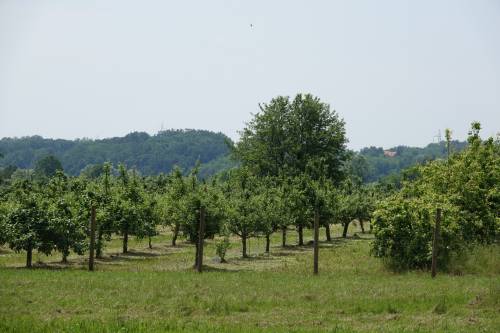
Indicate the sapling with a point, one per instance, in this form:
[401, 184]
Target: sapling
[221, 248]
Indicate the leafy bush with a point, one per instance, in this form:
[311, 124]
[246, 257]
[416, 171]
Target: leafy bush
[221, 248]
[404, 232]
[465, 187]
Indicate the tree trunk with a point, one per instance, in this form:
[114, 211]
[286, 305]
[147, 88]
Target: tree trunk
[196, 255]
[362, 226]
[371, 227]
[29, 257]
[244, 244]
[301, 235]
[346, 226]
[283, 236]
[316, 241]
[65, 256]
[150, 245]
[125, 241]
[201, 238]
[268, 243]
[176, 233]
[92, 238]
[98, 252]
[327, 232]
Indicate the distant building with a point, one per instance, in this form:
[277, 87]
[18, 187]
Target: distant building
[389, 153]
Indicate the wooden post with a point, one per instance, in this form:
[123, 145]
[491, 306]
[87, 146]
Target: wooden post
[201, 238]
[435, 242]
[92, 238]
[316, 240]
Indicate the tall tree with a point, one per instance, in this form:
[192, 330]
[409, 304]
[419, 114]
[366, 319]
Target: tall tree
[316, 136]
[264, 143]
[302, 138]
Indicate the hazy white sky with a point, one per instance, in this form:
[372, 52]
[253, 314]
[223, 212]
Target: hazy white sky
[396, 71]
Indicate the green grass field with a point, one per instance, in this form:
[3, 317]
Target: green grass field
[157, 290]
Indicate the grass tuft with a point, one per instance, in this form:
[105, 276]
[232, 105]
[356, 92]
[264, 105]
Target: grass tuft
[440, 307]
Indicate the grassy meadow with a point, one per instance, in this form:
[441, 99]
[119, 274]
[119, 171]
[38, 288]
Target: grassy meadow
[157, 290]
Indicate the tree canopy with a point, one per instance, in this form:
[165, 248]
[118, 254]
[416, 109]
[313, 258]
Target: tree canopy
[149, 154]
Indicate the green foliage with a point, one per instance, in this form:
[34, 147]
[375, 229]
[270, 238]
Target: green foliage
[219, 165]
[221, 247]
[92, 171]
[6, 173]
[465, 187]
[286, 137]
[244, 205]
[47, 167]
[4, 209]
[170, 208]
[197, 195]
[149, 154]
[67, 224]
[131, 209]
[27, 226]
[301, 145]
[299, 201]
[255, 206]
[378, 166]
[271, 204]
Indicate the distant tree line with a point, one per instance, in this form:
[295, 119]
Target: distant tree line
[153, 154]
[149, 154]
[377, 164]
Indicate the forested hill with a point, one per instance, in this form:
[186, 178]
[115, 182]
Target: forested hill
[150, 154]
[381, 163]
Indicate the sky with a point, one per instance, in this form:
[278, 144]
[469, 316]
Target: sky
[396, 71]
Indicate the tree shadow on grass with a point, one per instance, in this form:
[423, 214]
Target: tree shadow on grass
[250, 258]
[294, 248]
[210, 269]
[52, 266]
[134, 253]
[361, 237]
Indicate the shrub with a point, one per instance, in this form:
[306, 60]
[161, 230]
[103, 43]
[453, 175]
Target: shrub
[465, 187]
[221, 248]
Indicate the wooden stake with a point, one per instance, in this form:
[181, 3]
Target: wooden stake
[201, 238]
[435, 242]
[316, 240]
[92, 238]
